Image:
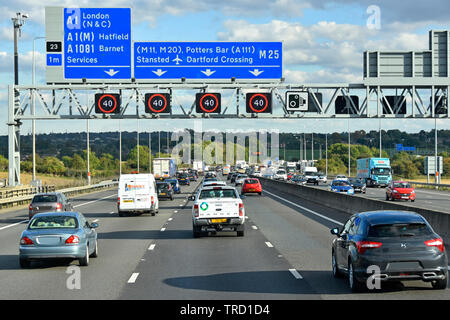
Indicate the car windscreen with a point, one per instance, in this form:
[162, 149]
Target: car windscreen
[381, 171]
[217, 193]
[340, 183]
[399, 230]
[45, 198]
[53, 222]
[402, 185]
[281, 172]
[310, 173]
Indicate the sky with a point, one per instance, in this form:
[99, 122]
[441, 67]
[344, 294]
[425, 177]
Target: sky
[323, 42]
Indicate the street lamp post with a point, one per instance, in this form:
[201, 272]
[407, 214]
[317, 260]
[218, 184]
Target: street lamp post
[33, 108]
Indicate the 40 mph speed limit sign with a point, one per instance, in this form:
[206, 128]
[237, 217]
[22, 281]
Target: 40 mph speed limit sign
[107, 103]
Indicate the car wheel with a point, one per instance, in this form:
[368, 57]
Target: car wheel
[95, 253]
[84, 262]
[387, 197]
[260, 193]
[240, 233]
[353, 283]
[24, 263]
[440, 284]
[334, 267]
[196, 231]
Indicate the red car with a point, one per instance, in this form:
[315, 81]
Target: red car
[251, 185]
[400, 190]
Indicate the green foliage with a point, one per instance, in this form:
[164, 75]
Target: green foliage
[3, 163]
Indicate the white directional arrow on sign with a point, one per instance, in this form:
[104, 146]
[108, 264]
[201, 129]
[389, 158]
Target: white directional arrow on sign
[208, 72]
[159, 72]
[256, 72]
[111, 72]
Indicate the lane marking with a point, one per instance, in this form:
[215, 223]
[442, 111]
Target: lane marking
[83, 204]
[152, 246]
[269, 244]
[296, 274]
[14, 224]
[96, 220]
[112, 212]
[163, 229]
[255, 227]
[306, 209]
[133, 277]
[170, 219]
[176, 211]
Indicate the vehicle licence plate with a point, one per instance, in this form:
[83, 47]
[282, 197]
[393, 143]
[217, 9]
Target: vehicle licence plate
[218, 220]
[251, 190]
[163, 193]
[128, 200]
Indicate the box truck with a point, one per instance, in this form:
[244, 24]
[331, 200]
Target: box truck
[164, 168]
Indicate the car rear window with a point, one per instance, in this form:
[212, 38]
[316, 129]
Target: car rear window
[162, 186]
[251, 181]
[45, 198]
[402, 185]
[217, 193]
[399, 230]
[52, 222]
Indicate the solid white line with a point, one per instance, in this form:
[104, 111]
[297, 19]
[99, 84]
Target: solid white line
[83, 204]
[306, 209]
[96, 220]
[163, 229]
[170, 219]
[133, 277]
[269, 244]
[14, 224]
[112, 212]
[295, 274]
[152, 247]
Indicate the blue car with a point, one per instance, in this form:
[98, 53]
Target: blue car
[175, 185]
[58, 235]
[342, 186]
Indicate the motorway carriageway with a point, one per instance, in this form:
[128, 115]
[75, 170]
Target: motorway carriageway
[425, 198]
[285, 254]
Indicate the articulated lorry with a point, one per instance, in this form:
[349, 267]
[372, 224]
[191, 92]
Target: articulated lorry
[376, 172]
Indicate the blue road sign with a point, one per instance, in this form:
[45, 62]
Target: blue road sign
[208, 60]
[97, 43]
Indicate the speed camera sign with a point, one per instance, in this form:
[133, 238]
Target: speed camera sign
[297, 101]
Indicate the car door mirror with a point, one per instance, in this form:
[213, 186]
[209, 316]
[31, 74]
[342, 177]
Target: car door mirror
[242, 196]
[94, 225]
[335, 231]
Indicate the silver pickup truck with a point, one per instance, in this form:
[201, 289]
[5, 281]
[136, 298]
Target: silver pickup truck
[217, 208]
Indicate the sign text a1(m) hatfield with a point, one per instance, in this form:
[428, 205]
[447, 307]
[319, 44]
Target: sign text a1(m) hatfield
[97, 43]
[208, 60]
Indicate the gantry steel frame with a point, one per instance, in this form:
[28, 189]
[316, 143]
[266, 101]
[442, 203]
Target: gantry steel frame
[60, 102]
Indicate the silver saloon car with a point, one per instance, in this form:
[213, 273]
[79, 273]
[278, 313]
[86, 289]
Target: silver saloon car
[49, 202]
[58, 235]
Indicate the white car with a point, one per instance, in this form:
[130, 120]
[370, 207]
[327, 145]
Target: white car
[280, 175]
[217, 208]
[341, 177]
[257, 174]
[214, 183]
[240, 179]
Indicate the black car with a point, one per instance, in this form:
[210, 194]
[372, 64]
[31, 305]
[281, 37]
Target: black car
[401, 244]
[165, 190]
[358, 185]
[192, 176]
[233, 177]
[183, 179]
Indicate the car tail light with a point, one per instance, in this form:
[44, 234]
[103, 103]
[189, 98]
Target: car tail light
[30, 207]
[118, 200]
[436, 243]
[26, 241]
[73, 240]
[241, 209]
[153, 200]
[196, 210]
[362, 246]
[58, 206]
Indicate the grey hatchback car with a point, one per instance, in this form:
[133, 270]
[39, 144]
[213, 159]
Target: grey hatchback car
[400, 244]
[58, 235]
[47, 202]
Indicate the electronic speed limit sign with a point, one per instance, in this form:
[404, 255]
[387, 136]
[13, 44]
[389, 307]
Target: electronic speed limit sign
[207, 103]
[157, 103]
[259, 102]
[107, 103]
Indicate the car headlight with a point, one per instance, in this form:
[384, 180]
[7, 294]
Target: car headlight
[351, 191]
[412, 192]
[394, 191]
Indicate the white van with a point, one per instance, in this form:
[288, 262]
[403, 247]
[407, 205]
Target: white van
[137, 193]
